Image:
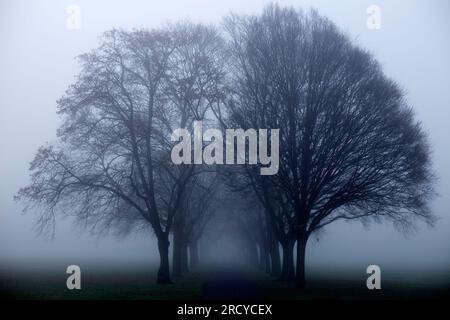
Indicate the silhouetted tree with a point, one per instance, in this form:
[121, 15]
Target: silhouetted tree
[247, 214]
[111, 167]
[349, 145]
[203, 202]
[276, 213]
[197, 209]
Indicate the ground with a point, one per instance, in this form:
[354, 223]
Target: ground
[137, 282]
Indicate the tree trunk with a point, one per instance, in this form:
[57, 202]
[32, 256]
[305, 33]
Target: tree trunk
[264, 259]
[177, 252]
[300, 271]
[164, 271]
[184, 256]
[267, 260]
[193, 253]
[252, 253]
[287, 272]
[261, 255]
[274, 255]
[274, 248]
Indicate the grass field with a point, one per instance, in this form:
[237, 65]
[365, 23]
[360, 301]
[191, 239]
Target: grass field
[137, 282]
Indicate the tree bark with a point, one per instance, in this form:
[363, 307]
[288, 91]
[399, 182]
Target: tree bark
[261, 255]
[275, 263]
[164, 271]
[264, 259]
[193, 254]
[287, 271]
[252, 253]
[274, 247]
[177, 252]
[300, 281]
[184, 256]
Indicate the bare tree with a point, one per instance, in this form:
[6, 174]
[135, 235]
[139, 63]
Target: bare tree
[111, 167]
[197, 209]
[203, 202]
[248, 210]
[244, 217]
[349, 145]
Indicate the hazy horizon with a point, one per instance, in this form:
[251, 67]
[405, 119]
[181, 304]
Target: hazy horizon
[37, 65]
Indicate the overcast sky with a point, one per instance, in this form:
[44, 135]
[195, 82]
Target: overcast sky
[37, 64]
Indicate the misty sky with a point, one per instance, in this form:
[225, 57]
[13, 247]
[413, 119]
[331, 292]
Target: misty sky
[37, 64]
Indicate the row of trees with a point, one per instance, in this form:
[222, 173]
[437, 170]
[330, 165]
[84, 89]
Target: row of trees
[350, 147]
[111, 168]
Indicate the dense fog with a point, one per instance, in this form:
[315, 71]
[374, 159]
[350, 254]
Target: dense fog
[37, 65]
